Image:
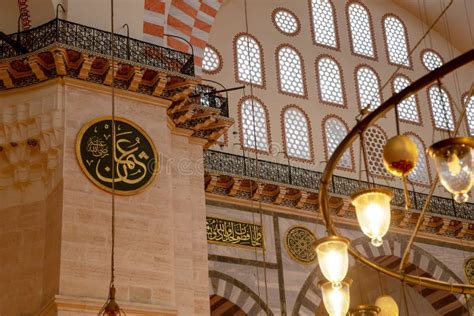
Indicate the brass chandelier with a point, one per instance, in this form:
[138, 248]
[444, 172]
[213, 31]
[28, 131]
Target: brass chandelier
[453, 159]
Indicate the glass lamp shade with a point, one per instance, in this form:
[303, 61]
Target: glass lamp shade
[336, 300]
[373, 212]
[388, 306]
[111, 308]
[453, 161]
[333, 258]
[365, 310]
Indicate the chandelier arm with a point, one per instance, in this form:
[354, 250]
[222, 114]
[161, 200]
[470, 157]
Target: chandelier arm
[360, 127]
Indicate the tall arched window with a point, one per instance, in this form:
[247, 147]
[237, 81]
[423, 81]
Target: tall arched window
[408, 108]
[335, 129]
[290, 71]
[248, 60]
[368, 88]
[324, 23]
[431, 59]
[469, 103]
[360, 26]
[297, 133]
[420, 174]
[396, 41]
[441, 110]
[375, 140]
[253, 124]
[330, 81]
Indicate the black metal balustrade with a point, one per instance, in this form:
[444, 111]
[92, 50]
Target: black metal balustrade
[93, 40]
[279, 173]
[206, 96]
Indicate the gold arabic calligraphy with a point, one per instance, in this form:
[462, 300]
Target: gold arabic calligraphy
[232, 232]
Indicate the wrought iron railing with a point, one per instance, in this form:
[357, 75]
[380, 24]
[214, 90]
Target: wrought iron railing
[279, 173]
[97, 41]
[206, 96]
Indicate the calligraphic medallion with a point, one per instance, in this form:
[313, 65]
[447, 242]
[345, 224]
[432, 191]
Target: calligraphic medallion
[224, 231]
[469, 270]
[136, 159]
[299, 244]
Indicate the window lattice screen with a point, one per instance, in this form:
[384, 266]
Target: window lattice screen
[375, 140]
[420, 173]
[441, 108]
[361, 33]
[330, 82]
[396, 41]
[210, 60]
[431, 60]
[290, 71]
[407, 109]
[286, 22]
[368, 87]
[297, 134]
[249, 62]
[254, 125]
[470, 113]
[324, 28]
[335, 131]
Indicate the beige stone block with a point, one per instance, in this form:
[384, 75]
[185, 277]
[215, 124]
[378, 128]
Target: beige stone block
[140, 294]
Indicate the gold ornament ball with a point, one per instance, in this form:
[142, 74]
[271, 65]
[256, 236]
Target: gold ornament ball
[400, 155]
[388, 306]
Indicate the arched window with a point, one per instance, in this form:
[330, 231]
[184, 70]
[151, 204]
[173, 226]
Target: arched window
[297, 133]
[330, 81]
[375, 140]
[248, 60]
[420, 174]
[396, 41]
[335, 129]
[290, 71]
[212, 60]
[368, 88]
[253, 124]
[324, 23]
[469, 113]
[408, 108]
[431, 59]
[360, 26]
[441, 110]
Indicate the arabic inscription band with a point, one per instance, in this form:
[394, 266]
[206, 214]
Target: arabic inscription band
[136, 159]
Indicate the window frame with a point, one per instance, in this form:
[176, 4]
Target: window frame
[236, 60]
[341, 76]
[303, 72]
[298, 29]
[325, 141]
[427, 162]
[219, 56]
[283, 134]
[433, 121]
[336, 28]
[267, 122]
[371, 28]
[356, 70]
[405, 31]
[417, 101]
[422, 53]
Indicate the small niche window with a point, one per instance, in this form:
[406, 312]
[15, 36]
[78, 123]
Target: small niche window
[396, 41]
[324, 24]
[211, 62]
[296, 132]
[431, 60]
[249, 60]
[360, 30]
[254, 125]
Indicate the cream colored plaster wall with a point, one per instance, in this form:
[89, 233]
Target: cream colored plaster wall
[231, 20]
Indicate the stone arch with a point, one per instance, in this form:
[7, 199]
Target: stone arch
[309, 297]
[237, 292]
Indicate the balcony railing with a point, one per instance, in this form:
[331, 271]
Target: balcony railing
[279, 173]
[204, 95]
[93, 40]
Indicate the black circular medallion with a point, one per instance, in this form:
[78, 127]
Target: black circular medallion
[136, 159]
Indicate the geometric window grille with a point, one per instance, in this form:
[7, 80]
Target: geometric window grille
[396, 41]
[360, 29]
[210, 61]
[420, 173]
[431, 60]
[368, 86]
[296, 134]
[324, 29]
[330, 82]
[375, 139]
[286, 22]
[290, 71]
[335, 131]
[249, 63]
[254, 125]
[441, 108]
[408, 108]
[470, 113]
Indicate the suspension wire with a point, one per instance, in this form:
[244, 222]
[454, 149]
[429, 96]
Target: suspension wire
[382, 292]
[468, 22]
[404, 297]
[257, 168]
[114, 136]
